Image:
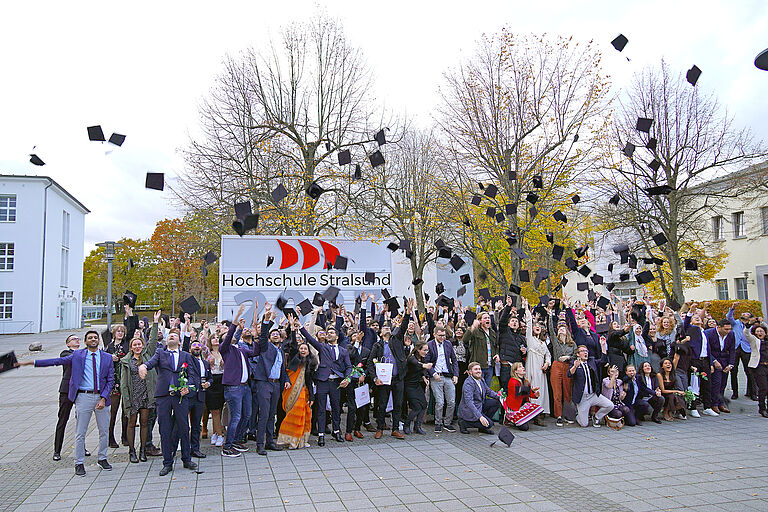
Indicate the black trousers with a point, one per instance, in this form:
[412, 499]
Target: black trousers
[65, 408]
[329, 389]
[173, 416]
[743, 357]
[355, 416]
[195, 426]
[761, 379]
[705, 388]
[382, 397]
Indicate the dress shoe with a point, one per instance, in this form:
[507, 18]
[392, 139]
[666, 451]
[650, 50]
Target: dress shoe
[338, 437]
[154, 451]
[113, 444]
[56, 456]
[132, 457]
[87, 453]
[273, 447]
[378, 434]
[348, 437]
[407, 428]
[463, 427]
[103, 464]
[485, 430]
[321, 440]
[190, 465]
[252, 437]
[166, 470]
[198, 454]
[204, 433]
[724, 409]
[369, 427]
[261, 450]
[397, 434]
[79, 470]
[358, 434]
[124, 442]
[764, 414]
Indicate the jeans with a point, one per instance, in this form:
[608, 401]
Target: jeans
[488, 375]
[239, 412]
[445, 395]
[85, 405]
[253, 421]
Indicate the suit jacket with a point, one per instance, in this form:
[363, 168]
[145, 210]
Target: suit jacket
[472, 397]
[579, 378]
[396, 346]
[233, 363]
[591, 340]
[267, 354]
[197, 379]
[725, 356]
[637, 390]
[695, 333]
[77, 361]
[478, 348]
[451, 362]
[329, 364]
[66, 373]
[166, 374]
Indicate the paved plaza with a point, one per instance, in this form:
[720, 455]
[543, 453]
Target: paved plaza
[701, 464]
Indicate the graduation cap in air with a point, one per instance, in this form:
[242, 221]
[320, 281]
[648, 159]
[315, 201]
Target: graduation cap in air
[585, 270]
[537, 181]
[439, 288]
[632, 261]
[597, 279]
[581, 251]
[461, 291]
[210, 257]
[575, 198]
[513, 288]
[358, 172]
[190, 305]
[644, 124]
[531, 198]
[426, 297]
[550, 237]
[652, 142]
[279, 193]
[304, 307]
[620, 248]
[331, 293]
[659, 239]
[603, 303]
[693, 74]
[318, 299]
[482, 275]
[130, 263]
[409, 255]
[476, 199]
[155, 181]
[345, 157]
[340, 263]
[571, 264]
[242, 210]
[629, 150]
[404, 244]
[417, 281]
[439, 243]
[241, 226]
[117, 139]
[444, 301]
[691, 264]
[624, 255]
[469, 317]
[524, 276]
[520, 253]
[392, 246]
[591, 295]
[314, 190]
[270, 260]
[499, 217]
[490, 212]
[582, 287]
[370, 277]
[620, 42]
[485, 293]
[610, 267]
[505, 436]
[385, 293]
[204, 271]
[480, 185]
[533, 212]
[376, 158]
[541, 275]
[654, 165]
[465, 279]
[95, 133]
[380, 137]
[557, 252]
[392, 304]
[456, 262]
[615, 199]
[8, 361]
[660, 190]
[36, 160]
[444, 252]
[645, 277]
[510, 208]
[491, 191]
[653, 260]
[129, 298]
[559, 216]
[610, 286]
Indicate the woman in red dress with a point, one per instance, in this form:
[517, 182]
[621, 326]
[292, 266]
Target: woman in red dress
[519, 409]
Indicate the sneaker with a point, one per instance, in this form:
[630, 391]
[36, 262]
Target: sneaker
[596, 422]
[710, 412]
[695, 414]
[570, 422]
[220, 440]
[438, 428]
[214, 437]
[239, 447]
[449, 427]
[229, 452]
[79, 470]
[106, 466]
[559, 422]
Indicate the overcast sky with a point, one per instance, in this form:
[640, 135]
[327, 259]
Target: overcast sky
[141, 68]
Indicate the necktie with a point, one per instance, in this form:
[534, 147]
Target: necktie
[173, 357]
[586, 373]
[634, 393]
[335, 353]
[95, 377]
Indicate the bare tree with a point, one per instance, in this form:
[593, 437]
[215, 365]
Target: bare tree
[692, 140]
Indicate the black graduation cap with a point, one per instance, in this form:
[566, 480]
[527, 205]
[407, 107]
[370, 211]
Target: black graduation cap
[392, 304]
[130, 263]
[404, 244]
[575, 198]
[392, 246]
[537, 181]
[541, 275]
[597, 279]
[480, 185]
[417, 281]
[557, 252]
[585, 270]
[591, 295]
[444, 252]
[358, 172]
[652, 142]
[318, 299]
[409, 255]
[533, 212]
[270, 260]
[314, 191]
[155, 181]
[129, 298]
[340, 263]
[190, 305]
[576, 138]
[571, 264]
[629, 150]
[461, 291]
[485, 293]
[632, 261]
[615, 199]
[439, 243]
[470, 316]
[327, 146]
[550, 237]
[95, 133]
[644, 124]
[532, 198]
[524, 276]
[439, 288]
[385, 293]
[645, 277]
[624, 256]
[610, 267]
[279, 193]
[241, 226]
[117, 139]
[242, 210]
[620, 42]
[499, 217]
[520, 253]
[654, 165]
[660, 190]
[370, 277]
[510, 208]
[426, 297]
[476, 199]
[559, 216]
[659, 239]
[465, 279]
[331, 293]
[603, 302]
[210, 257]
[653, 260]
[674, 305]
[380, 137]
[513, 288]
[305, 307]
[610, 286]
[693, 74]
[456, 262]
[491, 191]
[204, 271]
[8, 361]
[691, 264]
[36, 160]
[376, 158]
[620, 248]
[345, 157]
[490, 211]
[581, 250]
[582, 287]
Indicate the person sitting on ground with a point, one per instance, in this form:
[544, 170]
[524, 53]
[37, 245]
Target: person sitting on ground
[519, 409]
[613, 390]
[478, 403]
[671, 389]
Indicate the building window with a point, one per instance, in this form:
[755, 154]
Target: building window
[764, 216]
[64, 229]
[738, 224]
[6, 305]
[8, 208]
[717, 228]
[741, 288]
[6, 256]
[64, 249]
[722, 289]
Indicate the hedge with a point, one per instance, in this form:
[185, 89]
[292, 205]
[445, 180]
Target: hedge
[718, 308]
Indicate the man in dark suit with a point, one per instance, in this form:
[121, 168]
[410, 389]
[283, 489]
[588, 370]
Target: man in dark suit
[701, 361]
[358, 357]
[331, 375]
[200, 376]
[271, 379]
[90, 384]
[587, 386]
[640, 399]
[444, 375]
[172, 403]
[479, 403]
[722, 355]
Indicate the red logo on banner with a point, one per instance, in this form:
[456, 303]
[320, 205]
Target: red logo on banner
[310, 254]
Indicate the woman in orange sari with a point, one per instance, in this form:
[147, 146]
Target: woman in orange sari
[297, 400]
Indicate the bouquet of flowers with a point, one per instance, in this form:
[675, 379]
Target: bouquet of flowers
[182, 382]
[357, 371]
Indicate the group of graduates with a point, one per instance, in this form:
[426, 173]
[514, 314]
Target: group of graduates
[275, 381]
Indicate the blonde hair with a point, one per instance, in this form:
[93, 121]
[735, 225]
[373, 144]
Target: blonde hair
[513, 370]
[118, 327]
[659, 323]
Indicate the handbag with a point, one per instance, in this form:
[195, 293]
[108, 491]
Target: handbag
[570, 410]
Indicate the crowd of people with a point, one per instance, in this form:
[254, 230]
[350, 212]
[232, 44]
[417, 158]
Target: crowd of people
[280, 382]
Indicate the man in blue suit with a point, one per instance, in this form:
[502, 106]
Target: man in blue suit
[722, 355]
[172, 404]
[90, 385]
[478, 404]
[271, 379]
[332, 374]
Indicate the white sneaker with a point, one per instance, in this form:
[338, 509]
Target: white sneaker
[710, 412]
[694, 413]
[219, 440]
[213, 439]
[596, 422]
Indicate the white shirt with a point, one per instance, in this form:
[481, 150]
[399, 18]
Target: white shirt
[244, 378]
[722, 341]
[588, 383]
[480, 385]
[202, 370]
[704, 343]
[440, 366]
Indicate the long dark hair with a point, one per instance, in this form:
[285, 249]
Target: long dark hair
[416, 348]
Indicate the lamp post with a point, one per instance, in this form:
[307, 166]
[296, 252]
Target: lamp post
[109, 255]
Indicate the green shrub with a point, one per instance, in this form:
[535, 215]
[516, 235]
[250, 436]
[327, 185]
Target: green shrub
[719, 308]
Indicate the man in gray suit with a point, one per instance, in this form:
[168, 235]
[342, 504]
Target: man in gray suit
[478, 402]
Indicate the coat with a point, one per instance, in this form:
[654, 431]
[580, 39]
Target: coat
[478, 347]
[126, 386]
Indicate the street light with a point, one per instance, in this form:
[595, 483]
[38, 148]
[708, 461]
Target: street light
[109, 255]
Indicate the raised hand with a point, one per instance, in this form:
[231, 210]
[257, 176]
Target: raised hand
[158, 315]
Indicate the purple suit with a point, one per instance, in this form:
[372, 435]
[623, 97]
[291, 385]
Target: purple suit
[77, 361]
[726, 356]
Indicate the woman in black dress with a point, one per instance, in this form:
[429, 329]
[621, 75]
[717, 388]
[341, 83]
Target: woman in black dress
[674, 404]
[416, 378]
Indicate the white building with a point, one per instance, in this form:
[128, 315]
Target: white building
[42, 229]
